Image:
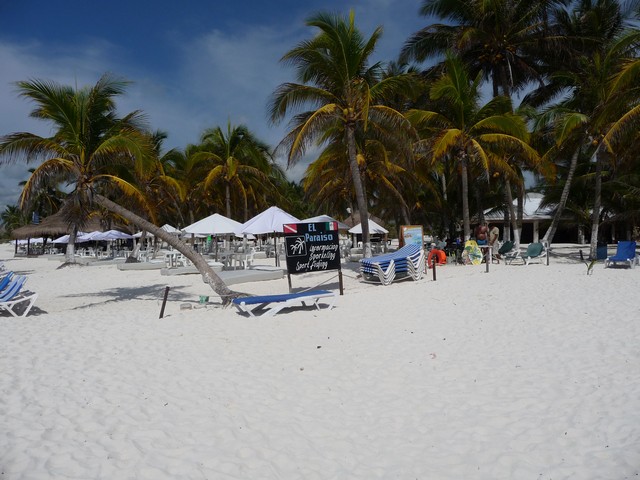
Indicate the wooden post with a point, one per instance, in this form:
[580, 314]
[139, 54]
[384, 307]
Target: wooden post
[546, 252]
[487, 257]
[164, 300]
[340, 281]
[434, 267]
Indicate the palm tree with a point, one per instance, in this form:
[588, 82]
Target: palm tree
[236, 160]
[88, 143]
[345, 94]
[472, 135]
[12, 218]
[329, 184]
[509, 41]
[503, 39]
[602, 48]
[45, 202]
[187, 195]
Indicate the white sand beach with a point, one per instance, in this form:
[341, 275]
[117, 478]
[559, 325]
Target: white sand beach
[527, 372]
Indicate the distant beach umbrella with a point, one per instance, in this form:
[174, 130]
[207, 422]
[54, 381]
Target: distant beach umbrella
[215, 224]
[326, 218]
[269, 221]
[373, 228]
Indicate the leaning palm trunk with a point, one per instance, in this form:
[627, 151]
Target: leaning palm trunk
[208, 275]
[359, 188]
[551, 231]
[133, 257]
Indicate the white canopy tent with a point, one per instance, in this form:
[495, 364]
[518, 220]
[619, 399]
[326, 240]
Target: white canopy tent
[270, 221]
[326, 218]
[65, 238]
[112, 235]
[373, 228]
[171, 229]
[215, 224]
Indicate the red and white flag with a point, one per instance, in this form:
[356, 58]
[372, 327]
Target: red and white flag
[290, 228]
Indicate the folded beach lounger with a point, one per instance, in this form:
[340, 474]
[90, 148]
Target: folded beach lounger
[269, 305]
[407, 262]
[13, 295]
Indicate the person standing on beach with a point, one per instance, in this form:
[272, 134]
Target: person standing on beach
[494, 235]
[481, 233]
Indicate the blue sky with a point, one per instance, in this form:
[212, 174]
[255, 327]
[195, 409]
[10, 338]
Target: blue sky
[194, 64]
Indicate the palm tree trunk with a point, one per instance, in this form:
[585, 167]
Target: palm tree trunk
[208, 275]
[71, 246]
[512, 214]
[227, 199]
[520, 203]
[551, 231]
[133, 257]
[595, 215]
[445, 212]
[359, 188]
[466, 221]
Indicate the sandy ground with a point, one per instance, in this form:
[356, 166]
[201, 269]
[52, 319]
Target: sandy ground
[520, 373]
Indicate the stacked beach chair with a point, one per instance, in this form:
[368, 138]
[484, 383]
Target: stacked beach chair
[407, 262]
[13, 294]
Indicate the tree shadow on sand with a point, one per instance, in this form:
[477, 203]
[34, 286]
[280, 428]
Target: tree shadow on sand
[122, 294]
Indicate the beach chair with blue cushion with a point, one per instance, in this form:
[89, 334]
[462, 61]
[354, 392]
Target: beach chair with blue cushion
[269, 305]
[625, 255]
[14, 295]
[407, 262]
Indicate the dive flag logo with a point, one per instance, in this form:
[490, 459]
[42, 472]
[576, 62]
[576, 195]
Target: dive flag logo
[290, 228]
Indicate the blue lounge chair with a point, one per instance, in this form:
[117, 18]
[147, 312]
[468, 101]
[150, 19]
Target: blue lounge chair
[5, 279]
[13, 295]
[625, 254]
[407, 262]
[269, 305]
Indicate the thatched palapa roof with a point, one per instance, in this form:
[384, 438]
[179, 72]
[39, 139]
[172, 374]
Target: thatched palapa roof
[53, 226]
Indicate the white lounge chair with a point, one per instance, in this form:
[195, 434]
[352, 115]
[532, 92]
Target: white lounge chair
[13, 295]
[269, 305]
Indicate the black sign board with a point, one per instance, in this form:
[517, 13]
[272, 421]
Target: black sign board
[312, 247]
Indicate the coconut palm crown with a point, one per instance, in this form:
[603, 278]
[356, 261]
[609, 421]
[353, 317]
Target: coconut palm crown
[344, 93]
